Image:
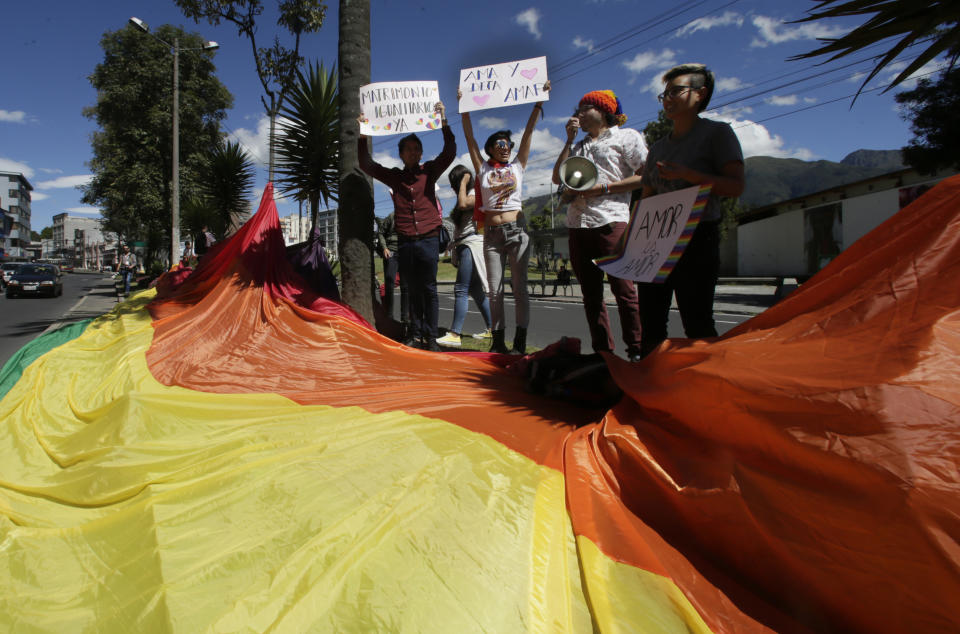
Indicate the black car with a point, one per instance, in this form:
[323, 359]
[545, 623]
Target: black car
[35, 279]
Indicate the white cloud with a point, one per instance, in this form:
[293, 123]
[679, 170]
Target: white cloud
[706, 23]
[493, 123]
[47, 170]
[775, 31]
[809, 100]
[531, 20]
[9, 165]
[387, 159]
[84, 210]
[65, 182]
[651, 60]
[579, 42]
[37, 196]
[757, 140]
[256, 143]
[926, 71]
[14, 116]
[729, 84]
[785, 100]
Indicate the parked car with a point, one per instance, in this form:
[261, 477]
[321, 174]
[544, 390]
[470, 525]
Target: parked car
[8, 268]
[35, 279]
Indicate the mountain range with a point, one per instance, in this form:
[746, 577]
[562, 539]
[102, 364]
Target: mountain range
[770, 180]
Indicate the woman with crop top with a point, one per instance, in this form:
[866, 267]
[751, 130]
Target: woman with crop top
[499, 185]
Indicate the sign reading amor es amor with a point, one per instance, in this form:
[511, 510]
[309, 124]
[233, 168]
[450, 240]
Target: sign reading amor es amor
[399, 107]
[660, 229]
[507, 84]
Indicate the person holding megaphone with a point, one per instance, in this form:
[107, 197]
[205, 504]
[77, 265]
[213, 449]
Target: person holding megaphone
[597, 181]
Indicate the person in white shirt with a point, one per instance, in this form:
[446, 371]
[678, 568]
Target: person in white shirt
[499, 185]
[128, 267]
[597, 217]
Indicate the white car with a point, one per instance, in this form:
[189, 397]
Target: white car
[9, 268]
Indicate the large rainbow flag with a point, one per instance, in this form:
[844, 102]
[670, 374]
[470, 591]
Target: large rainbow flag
[232, 453]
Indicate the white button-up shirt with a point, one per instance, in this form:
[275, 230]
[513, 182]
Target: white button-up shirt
[618, 153]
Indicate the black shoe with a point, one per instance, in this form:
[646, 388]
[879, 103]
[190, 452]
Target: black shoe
[498, 344]
[634, 357]
[520, 341]
[411, 342]
[431, 345]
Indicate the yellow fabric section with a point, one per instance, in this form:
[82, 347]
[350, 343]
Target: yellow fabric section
[628, 599]
[129, 506]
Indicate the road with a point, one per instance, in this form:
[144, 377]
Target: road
[24, 318]
[550, 320]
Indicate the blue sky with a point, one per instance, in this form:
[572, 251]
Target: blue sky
[778, 108]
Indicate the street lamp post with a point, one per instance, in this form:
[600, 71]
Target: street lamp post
[175, 178]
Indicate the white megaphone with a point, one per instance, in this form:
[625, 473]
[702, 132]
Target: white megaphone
[578, 173]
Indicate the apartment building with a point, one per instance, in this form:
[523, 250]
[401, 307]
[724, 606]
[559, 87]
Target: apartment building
[15, 202]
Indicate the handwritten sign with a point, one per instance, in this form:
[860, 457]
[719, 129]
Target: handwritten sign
[660, 229]
[506, 84]
[399, 107]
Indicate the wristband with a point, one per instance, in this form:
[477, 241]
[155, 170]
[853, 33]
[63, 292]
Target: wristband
[604, 190]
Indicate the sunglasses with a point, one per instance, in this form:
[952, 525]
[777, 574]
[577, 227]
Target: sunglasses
[502, 144]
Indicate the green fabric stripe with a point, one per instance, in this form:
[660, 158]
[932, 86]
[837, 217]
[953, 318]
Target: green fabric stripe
[13, 369]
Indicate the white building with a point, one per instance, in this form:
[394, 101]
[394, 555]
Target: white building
[798, 237]
[297, 230]
[15, 200]
[81, 241]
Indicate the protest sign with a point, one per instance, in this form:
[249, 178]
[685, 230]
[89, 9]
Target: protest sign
[507, 84]
[399, 107]
[660, 229]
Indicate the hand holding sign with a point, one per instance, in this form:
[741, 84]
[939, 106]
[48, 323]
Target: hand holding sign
[660, 229]
[506, 84]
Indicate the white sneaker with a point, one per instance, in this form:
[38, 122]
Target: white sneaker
[450, 339]
[486, 334]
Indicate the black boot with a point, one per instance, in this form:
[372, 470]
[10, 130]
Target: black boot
[498, 343]
[520, 341]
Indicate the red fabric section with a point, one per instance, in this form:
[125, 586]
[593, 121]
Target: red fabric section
[799, 473]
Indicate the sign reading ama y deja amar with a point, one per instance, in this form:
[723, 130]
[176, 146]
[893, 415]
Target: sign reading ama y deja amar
[506, 84]
[399, 107]
[660, 229]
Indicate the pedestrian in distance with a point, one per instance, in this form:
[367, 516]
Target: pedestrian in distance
[127, 267]
[389, 247]
[467, 249]
[696, 152]
[563, 279]
[417, 221]
[499, 191]
[597, 217]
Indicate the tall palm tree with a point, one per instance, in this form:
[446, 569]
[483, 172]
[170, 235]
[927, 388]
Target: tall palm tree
[356, 191]
[308, 144]
[936, 22]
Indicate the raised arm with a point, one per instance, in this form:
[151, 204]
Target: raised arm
[367, 164]
[475, 156]
[535, 114]
[465, 199]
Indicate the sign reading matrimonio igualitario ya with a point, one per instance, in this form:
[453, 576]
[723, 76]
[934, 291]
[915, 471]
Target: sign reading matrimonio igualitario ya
[399, 107]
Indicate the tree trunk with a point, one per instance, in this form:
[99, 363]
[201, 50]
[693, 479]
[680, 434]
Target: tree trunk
[355, 214]
[271, 142]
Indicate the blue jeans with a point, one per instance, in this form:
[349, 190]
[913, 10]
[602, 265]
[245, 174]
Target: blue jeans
[127, 278]
[418, 266]
[468, 282]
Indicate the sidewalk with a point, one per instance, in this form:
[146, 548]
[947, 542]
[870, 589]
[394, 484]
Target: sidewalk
[100, 299]
[750, 296]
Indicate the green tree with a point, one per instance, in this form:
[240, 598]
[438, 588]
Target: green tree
[308, 146]
[132, 147]
[276, 65]
[656, 130]
[933, 108]
[46, 233]
[935, 22]
[356, 191]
